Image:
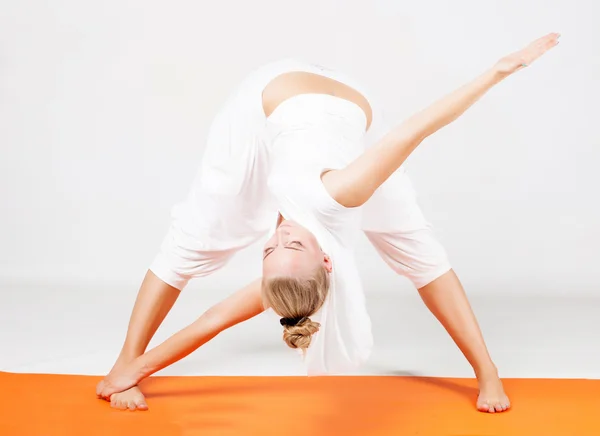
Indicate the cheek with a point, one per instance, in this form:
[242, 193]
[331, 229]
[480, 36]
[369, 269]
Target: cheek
[312, 243]
[274, 264]
[266, 266]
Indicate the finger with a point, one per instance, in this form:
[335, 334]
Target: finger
[544, 49]
[108, 391]
[550, 42]
[535, 53]
[544, 39]
[539, 46]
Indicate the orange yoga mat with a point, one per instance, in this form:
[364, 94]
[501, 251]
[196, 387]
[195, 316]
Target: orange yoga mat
[34, 404]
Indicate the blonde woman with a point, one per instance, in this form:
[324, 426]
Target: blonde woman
[308, 146]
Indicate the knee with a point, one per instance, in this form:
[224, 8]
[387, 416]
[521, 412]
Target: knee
[425, 278]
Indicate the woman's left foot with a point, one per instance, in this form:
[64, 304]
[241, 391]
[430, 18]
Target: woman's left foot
[492, 398]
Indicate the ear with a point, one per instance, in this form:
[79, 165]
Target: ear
[327, 263]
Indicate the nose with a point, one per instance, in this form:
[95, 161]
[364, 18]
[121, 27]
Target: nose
[282, 234]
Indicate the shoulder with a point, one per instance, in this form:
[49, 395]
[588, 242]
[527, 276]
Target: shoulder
[336, 183]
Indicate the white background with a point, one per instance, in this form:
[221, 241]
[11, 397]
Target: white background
[104, 107]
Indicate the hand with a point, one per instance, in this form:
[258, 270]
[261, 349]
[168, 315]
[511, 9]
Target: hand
[119, 380]
[523, 58]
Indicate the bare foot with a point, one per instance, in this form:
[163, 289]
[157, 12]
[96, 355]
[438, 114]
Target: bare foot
[492, 398]
[131, 399]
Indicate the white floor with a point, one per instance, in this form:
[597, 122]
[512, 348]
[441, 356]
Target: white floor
[78, 330]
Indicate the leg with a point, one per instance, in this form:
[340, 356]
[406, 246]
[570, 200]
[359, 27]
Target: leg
[154, 300]
[241, 306]
[406, 242]
[226, 210]
[447, 301]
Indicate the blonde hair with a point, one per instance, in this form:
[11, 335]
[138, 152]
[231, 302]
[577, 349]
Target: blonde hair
[297, 298]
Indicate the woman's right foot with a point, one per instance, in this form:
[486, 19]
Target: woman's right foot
[131, 399]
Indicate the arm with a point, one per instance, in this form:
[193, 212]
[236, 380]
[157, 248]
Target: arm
[355, 184]
[243, 305]
[239, 307]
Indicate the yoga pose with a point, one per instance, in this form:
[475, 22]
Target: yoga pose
[302, 152]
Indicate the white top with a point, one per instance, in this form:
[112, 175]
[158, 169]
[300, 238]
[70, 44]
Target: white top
[311, 133]
[251, 169]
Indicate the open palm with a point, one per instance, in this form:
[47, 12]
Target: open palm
[523, 58]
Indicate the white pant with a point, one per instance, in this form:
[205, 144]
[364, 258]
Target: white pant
[229, 206]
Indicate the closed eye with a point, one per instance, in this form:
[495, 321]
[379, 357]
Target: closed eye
[267, 251]
[293, 245]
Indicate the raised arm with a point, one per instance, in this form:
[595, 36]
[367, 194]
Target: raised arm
[355, 184]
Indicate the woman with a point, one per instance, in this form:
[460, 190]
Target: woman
[306, 142]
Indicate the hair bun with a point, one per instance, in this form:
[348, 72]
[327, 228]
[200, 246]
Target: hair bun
[299, 335]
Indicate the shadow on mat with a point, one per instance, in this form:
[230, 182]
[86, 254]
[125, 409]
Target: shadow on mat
[465, 391]
[155, 388]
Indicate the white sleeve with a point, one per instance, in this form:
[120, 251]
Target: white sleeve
[309, 193]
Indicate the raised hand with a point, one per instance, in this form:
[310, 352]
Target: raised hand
[526, 56]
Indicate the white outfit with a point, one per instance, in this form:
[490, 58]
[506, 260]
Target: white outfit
[255, 167]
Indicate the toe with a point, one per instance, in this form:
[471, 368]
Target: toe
[483, 407]
[141, 405]
[498, 407]
[131, 405]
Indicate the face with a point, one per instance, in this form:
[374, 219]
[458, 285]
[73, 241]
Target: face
[293, 251]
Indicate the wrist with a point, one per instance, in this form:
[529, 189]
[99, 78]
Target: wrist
[496, 75]
[503, 68]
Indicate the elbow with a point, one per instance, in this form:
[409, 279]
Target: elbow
[350, 201]
[354, 195]
[213, 321]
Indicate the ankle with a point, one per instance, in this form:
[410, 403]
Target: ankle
[486, 372]
[125, 357]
